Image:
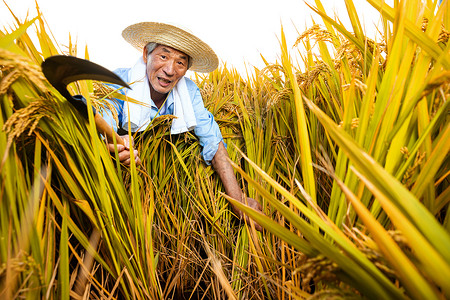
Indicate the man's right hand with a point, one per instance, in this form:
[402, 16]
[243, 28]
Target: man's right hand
[124, 151]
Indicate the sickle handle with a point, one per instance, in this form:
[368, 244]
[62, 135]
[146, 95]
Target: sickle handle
[104, 128]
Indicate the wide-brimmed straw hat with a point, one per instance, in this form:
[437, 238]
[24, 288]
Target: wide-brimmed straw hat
[203, 57]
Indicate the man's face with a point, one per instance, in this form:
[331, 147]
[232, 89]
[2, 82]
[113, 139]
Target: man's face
[165, 66]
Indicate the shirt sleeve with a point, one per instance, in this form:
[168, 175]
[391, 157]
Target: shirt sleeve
[207, 129]
[116, 103]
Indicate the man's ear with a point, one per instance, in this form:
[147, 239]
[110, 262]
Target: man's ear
[144, 54]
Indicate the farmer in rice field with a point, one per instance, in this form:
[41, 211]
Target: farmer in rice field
[158, 80]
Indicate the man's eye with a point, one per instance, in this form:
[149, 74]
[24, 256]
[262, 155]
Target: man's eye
[163, 56]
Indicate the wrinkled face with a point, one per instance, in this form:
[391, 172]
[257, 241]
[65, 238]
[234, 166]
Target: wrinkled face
[165, 66]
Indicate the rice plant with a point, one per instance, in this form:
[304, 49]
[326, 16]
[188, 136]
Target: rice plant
[347, 150]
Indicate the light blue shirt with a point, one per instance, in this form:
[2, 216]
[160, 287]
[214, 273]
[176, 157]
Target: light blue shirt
[206, 130]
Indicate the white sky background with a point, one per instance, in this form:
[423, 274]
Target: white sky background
[239, 31]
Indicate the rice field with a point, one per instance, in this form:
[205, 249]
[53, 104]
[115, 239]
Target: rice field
[347, 150]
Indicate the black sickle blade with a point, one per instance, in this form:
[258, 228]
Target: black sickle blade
[60, 70]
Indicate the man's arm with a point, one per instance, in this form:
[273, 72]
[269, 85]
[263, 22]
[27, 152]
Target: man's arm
[225, 171]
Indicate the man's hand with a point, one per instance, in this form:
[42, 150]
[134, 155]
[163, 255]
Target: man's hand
[124, 151]
[250, 202]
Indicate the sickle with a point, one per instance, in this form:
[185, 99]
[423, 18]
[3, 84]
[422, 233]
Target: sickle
[60, 70]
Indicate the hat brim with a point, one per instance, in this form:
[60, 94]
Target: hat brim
[203, 57]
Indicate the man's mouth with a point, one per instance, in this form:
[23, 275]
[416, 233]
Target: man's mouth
[164, 81]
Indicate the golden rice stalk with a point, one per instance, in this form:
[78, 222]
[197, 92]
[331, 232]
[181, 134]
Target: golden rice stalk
[318, 269]
[28, 118]
[13, 66]
[99, 98]
[318, 34]
[348, 50]
[271, 69]
[443, 36]
[418, 161]
[306, 79]
[217, 268]
[207, 90]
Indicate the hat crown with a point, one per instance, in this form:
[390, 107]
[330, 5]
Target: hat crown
[203, 57]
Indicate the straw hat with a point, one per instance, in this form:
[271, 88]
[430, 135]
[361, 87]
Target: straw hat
[203, 57]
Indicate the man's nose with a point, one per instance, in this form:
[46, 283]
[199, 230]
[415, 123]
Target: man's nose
[169, 68]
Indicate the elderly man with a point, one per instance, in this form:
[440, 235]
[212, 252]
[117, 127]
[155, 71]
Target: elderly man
[158, 80]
